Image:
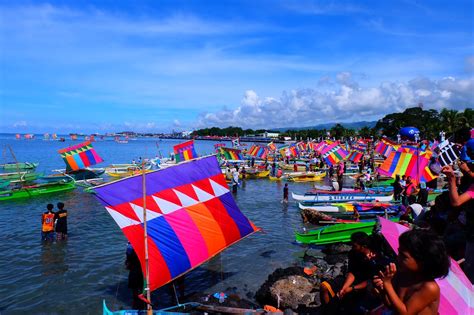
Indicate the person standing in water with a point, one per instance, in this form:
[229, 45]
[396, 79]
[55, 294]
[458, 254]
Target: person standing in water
[61, 222]
[47, 224]
[285, 194]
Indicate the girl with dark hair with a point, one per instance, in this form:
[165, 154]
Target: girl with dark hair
[412, 288]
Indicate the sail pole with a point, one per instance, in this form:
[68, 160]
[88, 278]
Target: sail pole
[145, 239]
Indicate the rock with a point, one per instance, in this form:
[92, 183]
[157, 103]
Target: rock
[293, 291]
[288, 288]
[335, 249]
[313, 216]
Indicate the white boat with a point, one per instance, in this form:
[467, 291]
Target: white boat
[344, 196]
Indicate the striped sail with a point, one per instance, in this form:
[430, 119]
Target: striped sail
[191, 216]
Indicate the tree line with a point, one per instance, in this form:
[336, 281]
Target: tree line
[430, 123]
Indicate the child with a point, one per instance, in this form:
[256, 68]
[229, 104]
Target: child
[412, 288]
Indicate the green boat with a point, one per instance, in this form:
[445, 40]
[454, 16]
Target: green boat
[36, 190]
[19, 166]
[338, 233]
[19, 177]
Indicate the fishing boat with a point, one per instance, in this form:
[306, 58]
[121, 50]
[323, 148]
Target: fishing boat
[4, 183]
[305, 177]
[310, 214]
[349, 207]
[182, 215]
[36, 190]
[335, 196]
[258, 174]
[19, 166]
[338, 233]
[19, 177]
[51, 178]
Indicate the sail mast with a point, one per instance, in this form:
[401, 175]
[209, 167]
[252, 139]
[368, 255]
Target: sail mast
[145, 239]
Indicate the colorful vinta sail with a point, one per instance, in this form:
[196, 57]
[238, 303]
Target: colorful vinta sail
[355, 156]
[409, 162]
[333, 153]
[190, 212]
[184, 151]
[385, 147]
[231, 154]
[80, 156]
[272, 146]
[258, 151]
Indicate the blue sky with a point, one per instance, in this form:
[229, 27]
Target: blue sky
[151, 66]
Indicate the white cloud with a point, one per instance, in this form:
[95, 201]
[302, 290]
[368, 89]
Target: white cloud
[349, 102]
[21, 123]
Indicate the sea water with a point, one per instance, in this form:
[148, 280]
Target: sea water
[73, 277]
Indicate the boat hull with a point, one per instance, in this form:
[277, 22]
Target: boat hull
[335, 197]
[36, 190]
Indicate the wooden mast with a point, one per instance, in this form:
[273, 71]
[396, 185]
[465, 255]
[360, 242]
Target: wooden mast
[145, 239]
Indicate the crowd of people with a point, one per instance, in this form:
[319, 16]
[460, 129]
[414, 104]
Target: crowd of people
[406, 284]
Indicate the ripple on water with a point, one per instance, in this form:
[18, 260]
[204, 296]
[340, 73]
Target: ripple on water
[89, 266]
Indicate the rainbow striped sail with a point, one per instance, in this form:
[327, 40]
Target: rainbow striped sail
[80, 156]
[184, 151]
[231, 154]
[355, 156]
[333, 153]
[191, 216]
[409, 162]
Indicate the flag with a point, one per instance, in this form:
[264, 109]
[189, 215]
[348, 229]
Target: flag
[447, 153]
[236, 142]
[191, 216]
[80, 156]
[231, 154]
[184, 151]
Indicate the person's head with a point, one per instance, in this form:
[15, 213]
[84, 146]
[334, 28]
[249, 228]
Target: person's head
[60, 205]
[404, 177]
[409, 179]
[360, 242]
[397, 178]
[286, 184]
[424, 253]
[49, 206]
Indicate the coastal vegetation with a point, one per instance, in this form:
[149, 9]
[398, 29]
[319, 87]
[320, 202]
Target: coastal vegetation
[430, 123]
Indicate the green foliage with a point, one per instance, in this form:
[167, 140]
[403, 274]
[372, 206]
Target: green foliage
[429, 122]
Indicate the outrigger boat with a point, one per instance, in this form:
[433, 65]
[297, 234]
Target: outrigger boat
[349, 207]
[36, 190]
[19, 177]
[258, 174]
[19, 166]
[328, 196]
[305, 177]
[338, 233]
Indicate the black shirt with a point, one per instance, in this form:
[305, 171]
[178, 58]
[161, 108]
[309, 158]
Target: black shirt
[61, 223]
[359, 266]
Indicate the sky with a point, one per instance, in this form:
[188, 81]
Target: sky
[157, 66]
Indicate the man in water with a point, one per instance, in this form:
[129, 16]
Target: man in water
[47, 224]
[285, 194]
[61, 222]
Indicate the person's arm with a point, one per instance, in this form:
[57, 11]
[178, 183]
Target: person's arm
[416, 303]
[454, 197]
